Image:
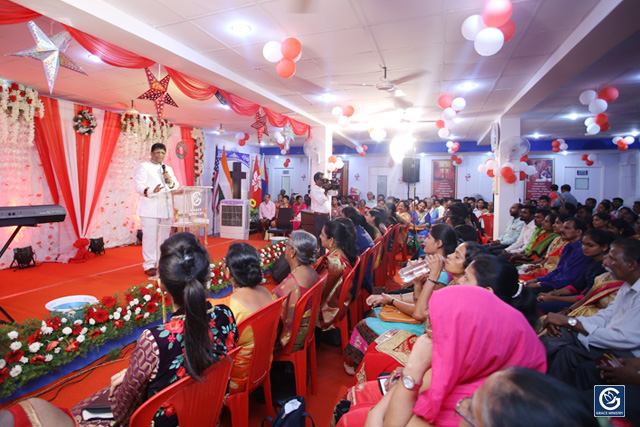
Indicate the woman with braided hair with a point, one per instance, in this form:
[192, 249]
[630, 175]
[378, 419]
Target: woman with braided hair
[197, 334]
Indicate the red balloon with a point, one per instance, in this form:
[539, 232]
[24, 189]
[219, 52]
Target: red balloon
[362, 154]
[497, 12]
[609, 94]
[444, 101]
[555, 149]
[511, 179]
[490, 173]
[454, 157]
[246, 136]
[622, 146]
[584, 157]
[348, 111]
[440, 124]
[458, 161]
[508, 29]
[506, 171]
[333, 159]
[242, 142]
[555, 143]
[365, 147]
[589, 162]
[456, 145]
[605, 127]
[454, 148]
[286, 68]
[290, 48]
[523, 176]
[600, 119]
[524, 158]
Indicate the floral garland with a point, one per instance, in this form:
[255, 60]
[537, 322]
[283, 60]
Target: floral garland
[147, 128]
[35, 348]
[198, 153]
[18, 102]
[85, 122]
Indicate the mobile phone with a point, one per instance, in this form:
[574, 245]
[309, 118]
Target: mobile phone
[609, 359]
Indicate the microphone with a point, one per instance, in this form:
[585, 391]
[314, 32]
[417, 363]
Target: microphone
[164, 170]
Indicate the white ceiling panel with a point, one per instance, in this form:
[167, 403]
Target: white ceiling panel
[197, 8]
[418, 32]
[385, 10]
[192, 36]
[339, 12]
[150, 12]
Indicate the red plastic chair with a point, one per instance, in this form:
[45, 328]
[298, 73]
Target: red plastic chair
[341, 321]
[356, 310]
[264, 323]
[487, 221]
[382, 266]
[299, 358]
[196, 403]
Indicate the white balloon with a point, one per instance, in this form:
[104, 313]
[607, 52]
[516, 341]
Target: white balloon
[378, 134]
[337, 112]
[331, 166]
[450, 151]
[616, 139]
[530, 170]
[588, 121]
[561, 141]
[489, 41]
[283, 151]
[449, 144]
[587, 97]
[522, 166]
[629, 140]
[458, 104]
[449, 113]
[280, 139]
[343, 121]
[492, 164]
[449, 124]
[592, 157]
[443, 133]
[593, 129]
[598, 106]
[508, 165]
[276, 135]
[239, 135]
[271, 51]
[482, 168]
[339, 164]
[563, 147]
[472, 26]
[359, 149]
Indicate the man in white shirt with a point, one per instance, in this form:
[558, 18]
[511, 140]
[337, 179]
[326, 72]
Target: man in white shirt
[266, 213]
[574, 343]
[154, 181]
[527, 213]
[371, 200]
[320, 201]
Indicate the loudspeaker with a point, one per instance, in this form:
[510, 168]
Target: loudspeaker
[410, 170]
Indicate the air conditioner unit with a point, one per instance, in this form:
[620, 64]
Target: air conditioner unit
[234, 219]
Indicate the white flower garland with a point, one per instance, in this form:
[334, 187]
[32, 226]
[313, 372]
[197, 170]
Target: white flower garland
[85, 122]
[18, 102]
[198, 153]
[147, 128]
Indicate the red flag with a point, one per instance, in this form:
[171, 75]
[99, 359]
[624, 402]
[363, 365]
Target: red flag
[256, 183]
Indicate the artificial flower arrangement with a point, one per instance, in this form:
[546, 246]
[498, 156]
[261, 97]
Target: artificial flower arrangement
[146, 127]
[198, 155]
[85, 122]
[35, 348]
[17, 102]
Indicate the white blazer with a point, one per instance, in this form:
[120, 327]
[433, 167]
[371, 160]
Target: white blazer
[154, 205]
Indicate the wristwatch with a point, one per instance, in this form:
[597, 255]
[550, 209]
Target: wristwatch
[572, 321]
[409, 383]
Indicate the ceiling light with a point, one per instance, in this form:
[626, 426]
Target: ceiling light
[489, 153]
[94, 58]
[573, 116]
[422, 154]
[277, 157]
[240, 29]
[564, 153]
[399, 92]
[225, 107]
[328, 97]
[634, 133]
[467, 86]
[536, 135]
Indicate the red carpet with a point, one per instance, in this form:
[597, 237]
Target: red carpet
[24, 293]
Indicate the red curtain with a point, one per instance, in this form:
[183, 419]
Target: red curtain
[11, 13]
[83, 143]
[50, 143]
[109, 53]
[280, 120]
[185, 135]
[110, 132]
[193, 88]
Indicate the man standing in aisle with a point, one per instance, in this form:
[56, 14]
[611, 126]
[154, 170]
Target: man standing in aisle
[320, 202]
[154, 180]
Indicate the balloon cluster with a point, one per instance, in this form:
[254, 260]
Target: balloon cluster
[452, 147]
[455, 159]
[589, 159]
[286, 54]
[508, 169]
[598, 104]
[362, 150]
[451, 106]
[334, 163]
[559, 145]
[242, 138]
[343, 114]
[286, 163]
[623, 143]
[492, 30]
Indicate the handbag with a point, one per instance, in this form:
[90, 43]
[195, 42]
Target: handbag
[391, 314]
[292, 414]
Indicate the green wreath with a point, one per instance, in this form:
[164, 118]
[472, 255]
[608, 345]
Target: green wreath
[181, 150]
[85, 122]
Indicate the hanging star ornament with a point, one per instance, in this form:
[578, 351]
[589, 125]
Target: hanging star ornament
[287, 133]
[158, 92]
[260, 125]
[51, 52]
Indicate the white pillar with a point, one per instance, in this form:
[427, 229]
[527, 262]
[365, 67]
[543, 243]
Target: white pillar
[505, 194]
[324, 136]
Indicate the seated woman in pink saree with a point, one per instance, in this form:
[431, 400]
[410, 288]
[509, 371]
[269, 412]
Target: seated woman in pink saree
[471, 334]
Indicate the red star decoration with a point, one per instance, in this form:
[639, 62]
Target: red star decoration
[260, 125]
[158, 92]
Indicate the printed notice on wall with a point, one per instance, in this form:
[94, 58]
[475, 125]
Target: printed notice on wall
[443, 182]
[539, 183]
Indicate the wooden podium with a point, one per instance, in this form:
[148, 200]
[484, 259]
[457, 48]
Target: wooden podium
[313, 222]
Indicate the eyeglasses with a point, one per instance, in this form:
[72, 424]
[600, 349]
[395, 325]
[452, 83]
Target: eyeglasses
[463, 410]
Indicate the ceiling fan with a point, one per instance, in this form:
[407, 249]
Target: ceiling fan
[220, 130]
[388, 85]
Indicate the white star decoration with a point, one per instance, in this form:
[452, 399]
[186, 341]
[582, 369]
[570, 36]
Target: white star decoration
[51, 52]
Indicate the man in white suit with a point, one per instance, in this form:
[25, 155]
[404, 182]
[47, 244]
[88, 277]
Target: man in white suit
[154, 181]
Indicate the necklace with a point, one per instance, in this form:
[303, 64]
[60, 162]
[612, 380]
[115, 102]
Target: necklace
[294, 270]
